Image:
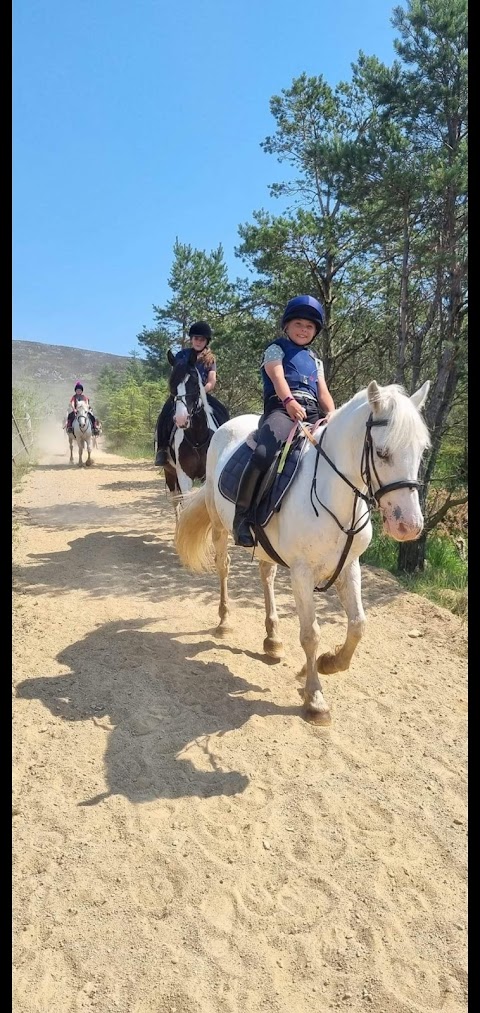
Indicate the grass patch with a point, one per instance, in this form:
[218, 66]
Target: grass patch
[134, 451]
[19, 471]
[444, 579]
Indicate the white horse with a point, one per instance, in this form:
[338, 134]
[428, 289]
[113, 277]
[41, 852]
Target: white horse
[367, 455]
[82, 433]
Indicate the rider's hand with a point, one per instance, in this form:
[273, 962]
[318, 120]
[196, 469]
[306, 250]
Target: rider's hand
[295, 411]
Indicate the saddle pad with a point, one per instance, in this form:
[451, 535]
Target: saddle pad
[270, 495]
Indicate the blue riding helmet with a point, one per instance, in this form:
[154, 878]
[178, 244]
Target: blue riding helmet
[304, 307]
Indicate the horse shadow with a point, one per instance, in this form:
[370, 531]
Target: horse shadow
[157, 702]
[148, 566]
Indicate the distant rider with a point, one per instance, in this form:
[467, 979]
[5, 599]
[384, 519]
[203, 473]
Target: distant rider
[77, 396]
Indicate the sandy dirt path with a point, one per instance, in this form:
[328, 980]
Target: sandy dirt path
[183, 841]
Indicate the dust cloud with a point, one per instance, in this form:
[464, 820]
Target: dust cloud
[51, 440]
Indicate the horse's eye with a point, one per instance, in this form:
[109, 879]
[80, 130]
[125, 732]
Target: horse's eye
[383, 454]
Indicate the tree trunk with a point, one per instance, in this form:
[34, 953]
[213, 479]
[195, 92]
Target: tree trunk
[411, 555]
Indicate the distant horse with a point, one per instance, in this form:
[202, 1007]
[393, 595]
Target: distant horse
[367, 455]
[82, 433]
[98, 432]
[195, 425]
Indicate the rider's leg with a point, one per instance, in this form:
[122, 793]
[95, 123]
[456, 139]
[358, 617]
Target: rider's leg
[70, 422]
[272, 434]
[219, 410]
[163, 432]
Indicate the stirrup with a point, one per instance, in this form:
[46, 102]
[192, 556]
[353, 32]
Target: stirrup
[242, 535]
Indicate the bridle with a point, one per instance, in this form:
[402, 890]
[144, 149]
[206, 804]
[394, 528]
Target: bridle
[371, 497]
[81, 413]
[196, 410]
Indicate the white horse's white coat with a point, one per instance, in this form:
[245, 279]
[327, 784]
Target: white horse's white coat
[82, 433]
[312, 545]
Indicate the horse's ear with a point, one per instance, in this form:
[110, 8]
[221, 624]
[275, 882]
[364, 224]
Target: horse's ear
[374, 396]
[420, 395]
[192, 357]
[170, 357]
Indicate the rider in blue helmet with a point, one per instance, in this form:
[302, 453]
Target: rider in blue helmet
[294, 389]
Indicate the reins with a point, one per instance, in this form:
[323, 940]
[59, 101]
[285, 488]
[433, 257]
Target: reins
[371, 497]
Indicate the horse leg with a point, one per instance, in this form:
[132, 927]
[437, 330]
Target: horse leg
[80, 455]
[89, 461]
[184, 482]
[272, 645]
[348, 586]
[173, 487]
[222, 561]
[70, 440]
[317, 710]
[222, 566]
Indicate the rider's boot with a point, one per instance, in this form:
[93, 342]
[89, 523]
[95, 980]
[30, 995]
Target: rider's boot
[249, 483]
[160, 457]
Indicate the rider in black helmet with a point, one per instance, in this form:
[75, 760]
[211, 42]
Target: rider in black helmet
[78, 395]
[200, 335]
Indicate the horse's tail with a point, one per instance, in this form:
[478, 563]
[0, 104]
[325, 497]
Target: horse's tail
[193, 535]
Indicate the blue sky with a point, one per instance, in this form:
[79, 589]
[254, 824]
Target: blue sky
[137, 121]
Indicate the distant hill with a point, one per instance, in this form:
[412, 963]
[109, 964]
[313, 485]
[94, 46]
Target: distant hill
[57, 367]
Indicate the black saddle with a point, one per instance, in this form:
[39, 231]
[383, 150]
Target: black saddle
[275, 483]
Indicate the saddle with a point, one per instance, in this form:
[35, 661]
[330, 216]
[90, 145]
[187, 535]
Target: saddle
[275, 483]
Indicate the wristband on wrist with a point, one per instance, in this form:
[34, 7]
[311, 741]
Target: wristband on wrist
[287, 399]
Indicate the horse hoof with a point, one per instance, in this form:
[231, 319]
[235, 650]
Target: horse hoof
[316, 710]
[327, 664]
[319, 717]
[223, 630]
[273, 648]
[88, 464]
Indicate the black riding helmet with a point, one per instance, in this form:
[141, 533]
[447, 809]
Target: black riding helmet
[201, 330]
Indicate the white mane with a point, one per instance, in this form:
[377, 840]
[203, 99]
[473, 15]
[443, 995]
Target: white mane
[405, 424]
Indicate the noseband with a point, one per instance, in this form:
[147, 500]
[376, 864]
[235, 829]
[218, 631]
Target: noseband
[82, 418]
[183, 398]
[371, 497]
[368, 463]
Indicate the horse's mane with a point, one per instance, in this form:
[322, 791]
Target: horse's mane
[405, 424]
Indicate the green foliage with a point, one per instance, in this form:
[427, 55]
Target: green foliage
[445, 577]
[376, 228]
[23, 401]
[128, 405]
[200, 291]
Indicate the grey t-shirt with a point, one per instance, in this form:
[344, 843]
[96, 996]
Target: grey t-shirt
[273, 353]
